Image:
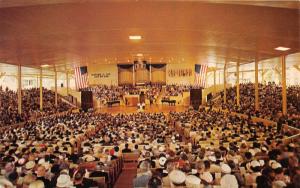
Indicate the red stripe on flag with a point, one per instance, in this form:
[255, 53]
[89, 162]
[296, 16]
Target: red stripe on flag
[81, 80]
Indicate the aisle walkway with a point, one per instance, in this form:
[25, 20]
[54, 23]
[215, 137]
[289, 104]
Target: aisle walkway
[125, 179]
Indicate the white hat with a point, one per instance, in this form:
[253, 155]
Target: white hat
[37, 184]
[252, 151]
[229, 181]
[64, 180]
[162, 161]
[276, 165]
[41, 161]
[161, 149]
[147, 147]
[254, 164]
[212, 158]
[225, 168]
[29, 165]
[261, 162]
[89, 158]
[177, 177]
[85, 149]
[272, 161]
[206, 176]
[165, 172]
[278, 184]
[192, 181]
[47, 165]
[264, 148]
[194, 171]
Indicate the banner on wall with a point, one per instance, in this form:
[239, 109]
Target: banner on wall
[103, 74]
[182, 74]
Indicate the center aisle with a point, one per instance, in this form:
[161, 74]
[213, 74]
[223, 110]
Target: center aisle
[125, 179]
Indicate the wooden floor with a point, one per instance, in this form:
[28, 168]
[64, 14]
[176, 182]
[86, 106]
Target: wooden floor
[152, 109]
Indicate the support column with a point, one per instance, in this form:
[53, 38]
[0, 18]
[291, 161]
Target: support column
[224, 84]
[238, 84]
[19, 90]
[256, 86]
[41, 89]
[150, 70]
[283, 82]
[67, 80]
[215, 80]
[55, 86]
[262, 72]
[133, 75]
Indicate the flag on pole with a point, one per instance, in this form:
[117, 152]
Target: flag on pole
[81, 77]
[200, 75]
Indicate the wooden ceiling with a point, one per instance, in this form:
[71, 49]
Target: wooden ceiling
[64, 33]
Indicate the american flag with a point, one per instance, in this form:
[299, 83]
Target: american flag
[200, 75]
[81, 77]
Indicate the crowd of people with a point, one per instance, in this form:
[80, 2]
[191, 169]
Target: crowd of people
[107, 93]
[151, 91]
[270, 101]
[51, 151]
[177, 90]
[30, 105]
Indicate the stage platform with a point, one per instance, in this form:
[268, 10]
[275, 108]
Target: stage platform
[152, 109]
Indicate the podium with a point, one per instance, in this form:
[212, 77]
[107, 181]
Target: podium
[132, 100]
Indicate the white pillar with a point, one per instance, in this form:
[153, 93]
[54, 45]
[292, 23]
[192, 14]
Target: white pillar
[55, 82]
[41, 89]
[67, 80]
[283, 82]
[19, 90]
[238, 83]
[150, 69]
[256, 86]
[224, 84]
[133, 75]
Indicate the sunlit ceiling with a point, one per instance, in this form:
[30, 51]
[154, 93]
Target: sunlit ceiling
[71, 32]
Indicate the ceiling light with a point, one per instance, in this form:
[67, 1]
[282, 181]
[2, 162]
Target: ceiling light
[281, 48]
[139, 55]
[135, 37]
[46, 65]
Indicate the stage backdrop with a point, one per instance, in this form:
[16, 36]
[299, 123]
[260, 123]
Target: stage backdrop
[125, 74]
[158, 73]
[102, 74]
[181, 73]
